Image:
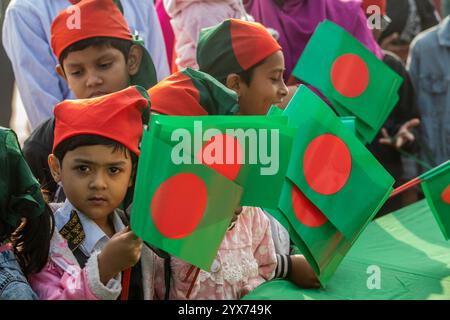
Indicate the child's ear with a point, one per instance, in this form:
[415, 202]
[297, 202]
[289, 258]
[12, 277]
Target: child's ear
[59, 70]
[134, 59]
[233, 82]
[55, 167]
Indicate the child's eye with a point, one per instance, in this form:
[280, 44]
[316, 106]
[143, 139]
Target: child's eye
[105, 65]
[114, 170]
[83, 169]
[75, 73]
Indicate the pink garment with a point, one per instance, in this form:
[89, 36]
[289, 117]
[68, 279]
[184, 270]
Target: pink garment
[188, 17]
[296, 21]
[6, 246]
[164, 21]
[63, 279]
[246, 258]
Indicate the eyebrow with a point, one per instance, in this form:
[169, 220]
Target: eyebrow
[85, 161]
[278, 70]
[107, 55]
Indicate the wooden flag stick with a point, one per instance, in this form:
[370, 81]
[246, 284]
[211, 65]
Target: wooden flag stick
[193, 282]
[125, 284]
[406, 186]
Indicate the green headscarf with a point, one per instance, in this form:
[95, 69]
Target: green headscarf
[20, 194]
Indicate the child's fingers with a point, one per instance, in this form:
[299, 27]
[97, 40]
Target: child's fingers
[131, 235]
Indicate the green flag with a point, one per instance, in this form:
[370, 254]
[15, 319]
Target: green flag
[333, 168]
[317, 238]
[355, 81]
[182, 209]
[252, 151]
[333, 188]
[436, 186]
[350, 123]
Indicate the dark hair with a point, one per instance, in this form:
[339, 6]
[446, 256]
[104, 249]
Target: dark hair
[120, 44]
[31, 241]
[91, 140]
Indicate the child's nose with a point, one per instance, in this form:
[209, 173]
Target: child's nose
[93, 80]
[98, 182]
[283, 90]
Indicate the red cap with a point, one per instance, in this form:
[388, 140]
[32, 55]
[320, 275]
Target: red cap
[88, 19]
[117, 116]
[233, 46]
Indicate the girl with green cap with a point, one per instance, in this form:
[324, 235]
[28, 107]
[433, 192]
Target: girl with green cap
[247, 59]
[26, 222]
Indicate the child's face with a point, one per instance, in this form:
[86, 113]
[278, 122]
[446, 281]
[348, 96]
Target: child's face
[95, 179]
[266, 87]
[95, 71]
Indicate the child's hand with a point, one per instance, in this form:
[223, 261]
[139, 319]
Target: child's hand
[402, 137]
[302, 274]
[122, 251]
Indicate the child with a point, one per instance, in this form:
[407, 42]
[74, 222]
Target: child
[26, 39]
[245, 58]
[25, 220]
[94, 158]
[100, 57]
[251, 63]
[246, 257]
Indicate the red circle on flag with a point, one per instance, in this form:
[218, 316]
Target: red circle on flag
[224, 145]
[327, 164]
[178, 205]
[446, 195]
[350, 75]
[305, 211]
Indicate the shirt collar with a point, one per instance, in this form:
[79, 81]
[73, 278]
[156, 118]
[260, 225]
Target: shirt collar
[444, 32]
[94, 236]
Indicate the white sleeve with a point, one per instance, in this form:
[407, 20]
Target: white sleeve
[26, 44]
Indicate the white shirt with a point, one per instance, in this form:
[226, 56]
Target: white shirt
[95, 239]
[26, 39]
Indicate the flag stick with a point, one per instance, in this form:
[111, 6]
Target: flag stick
[406, 186]
[193, 282]
[125, 284]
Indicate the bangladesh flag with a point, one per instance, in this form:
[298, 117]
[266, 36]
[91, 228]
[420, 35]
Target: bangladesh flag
[183, 201]
[182, 209]
[252, 151]
[353, 79]
[436, 186]
[349, 122]
[333, 168]
[317, 238]
[333, 188]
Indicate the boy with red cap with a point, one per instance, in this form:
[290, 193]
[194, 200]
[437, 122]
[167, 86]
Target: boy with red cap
[94, 157]
[98, 57]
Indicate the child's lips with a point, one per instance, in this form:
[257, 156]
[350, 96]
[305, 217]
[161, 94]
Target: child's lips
[97, 201]
[277, 103]
[97, 94]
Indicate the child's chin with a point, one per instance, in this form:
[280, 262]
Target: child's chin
[98, 212]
